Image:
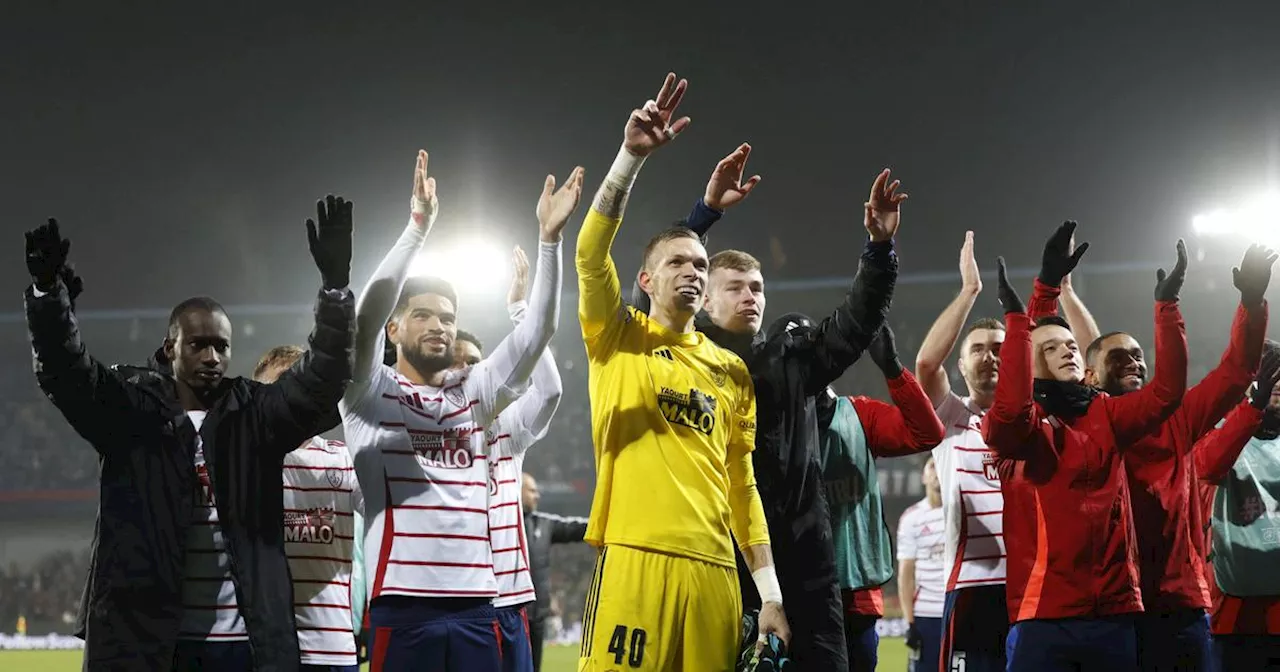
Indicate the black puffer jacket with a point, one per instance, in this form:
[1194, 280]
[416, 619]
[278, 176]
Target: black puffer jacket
[132, 606]
[788, 370]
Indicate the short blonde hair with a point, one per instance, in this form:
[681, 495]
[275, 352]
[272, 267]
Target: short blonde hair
[736, 260]
[278, 358]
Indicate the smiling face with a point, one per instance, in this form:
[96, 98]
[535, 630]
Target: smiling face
[1117, 366]
[675, 274]
[735, 299]
[424, 332]
[1056, 355]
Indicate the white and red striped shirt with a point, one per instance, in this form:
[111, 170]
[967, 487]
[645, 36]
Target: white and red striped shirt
[420, 451]
[209, 609]
[922, 534]
[321, 499]
[971, 499]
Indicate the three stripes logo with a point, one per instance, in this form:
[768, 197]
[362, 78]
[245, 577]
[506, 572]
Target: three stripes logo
[664, 353]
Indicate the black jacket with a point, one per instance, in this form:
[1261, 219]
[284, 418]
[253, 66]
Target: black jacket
[788, 371]
[541, 530]
[132, 605]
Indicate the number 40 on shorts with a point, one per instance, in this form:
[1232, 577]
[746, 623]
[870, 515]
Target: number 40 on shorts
[630, 647]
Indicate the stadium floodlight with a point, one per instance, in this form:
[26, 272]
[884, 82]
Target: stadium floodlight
[475, 267]
[1257, 220]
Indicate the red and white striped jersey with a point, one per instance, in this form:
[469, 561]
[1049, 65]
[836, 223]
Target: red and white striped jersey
[971, 499]
[922, 535]
[321, 498]
[209, 609]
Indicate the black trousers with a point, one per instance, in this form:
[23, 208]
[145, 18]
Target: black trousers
[537, 633]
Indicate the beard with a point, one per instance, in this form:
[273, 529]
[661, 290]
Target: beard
[427, 363]
[1117, 385]
[983, 381]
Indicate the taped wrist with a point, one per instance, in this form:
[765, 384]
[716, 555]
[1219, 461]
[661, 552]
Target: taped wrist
[766, 579]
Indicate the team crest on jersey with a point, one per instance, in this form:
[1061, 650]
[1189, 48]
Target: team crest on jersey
[313, 526]
[493, 479]
[335, 477]
[455, 396]
[450, 449]
[718, 375]
[490, 435]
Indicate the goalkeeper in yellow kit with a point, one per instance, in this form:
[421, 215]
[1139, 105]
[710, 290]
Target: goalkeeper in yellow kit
[673, 423]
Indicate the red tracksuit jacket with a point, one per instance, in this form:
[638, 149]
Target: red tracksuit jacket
[1162, 471]
[1215, 455]
[1068, 529]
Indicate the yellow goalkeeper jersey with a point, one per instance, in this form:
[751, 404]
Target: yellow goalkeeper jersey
[673, 423]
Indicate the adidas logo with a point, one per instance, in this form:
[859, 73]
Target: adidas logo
[664, 352]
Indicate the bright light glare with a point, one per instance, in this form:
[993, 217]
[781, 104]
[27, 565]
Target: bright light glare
[474, 267]
[1257, 220]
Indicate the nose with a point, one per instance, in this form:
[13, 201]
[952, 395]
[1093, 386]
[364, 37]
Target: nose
[210, 357]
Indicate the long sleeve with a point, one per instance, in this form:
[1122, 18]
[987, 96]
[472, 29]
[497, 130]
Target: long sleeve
[564, 529]
[358, 596]
[1044, 303]
[600, 308]
[502, 376]
[303, 402]
[377, 303]
[531, 414]
[1216, 453]
[96, 400]
[840, 339]
[1207, 401]
[1010, 422]
[1139, 413]
[746, 510]
[906, 427]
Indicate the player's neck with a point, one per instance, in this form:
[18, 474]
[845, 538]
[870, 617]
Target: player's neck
[935, 498]
[982, 400]
[430, 378]
[680, 322]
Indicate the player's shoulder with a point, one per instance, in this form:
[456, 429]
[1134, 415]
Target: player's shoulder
[320, 452]
[912, 512]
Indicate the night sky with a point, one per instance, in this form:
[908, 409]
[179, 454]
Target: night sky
[183, 145]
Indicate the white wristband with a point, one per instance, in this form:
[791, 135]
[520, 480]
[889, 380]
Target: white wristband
[767, 585]
[625, 168]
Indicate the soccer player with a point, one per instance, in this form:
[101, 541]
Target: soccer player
[1173, 632]
[673, 423]
[1239, 468]
[322, 514]
[975, 615]
[189, 569]
[1072, 559]
[509, 438]
[417, 436]
[921, 546]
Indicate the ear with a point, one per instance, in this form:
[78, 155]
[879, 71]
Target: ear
[168, 349]
[393, 330]
[645, 281]
[1090, 376]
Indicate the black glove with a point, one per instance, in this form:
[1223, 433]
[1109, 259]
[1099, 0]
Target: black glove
[330, 242]
[73, 282]
[884, 352]
[46, 254]
[1058, 261]
[1253, 275]
[1268, 376]
[915, 641]
[1008, 296]
[1169, 284]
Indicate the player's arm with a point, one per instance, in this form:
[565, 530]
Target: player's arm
[564, 529]
[378, 300]
[98, 402]
[836, 342]
[1139, 413]
[301, 403]
[601, 311]
[1060, 257]
[910, 425]
[1207, 401]
[932, 356]
[1216, 453]
[502, 376]
[907, 566]
[1083, 326]
[532, 412]
[1010, 423]
[724, 190]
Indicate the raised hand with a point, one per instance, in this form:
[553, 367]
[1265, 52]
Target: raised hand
[46, 254]
[880, 215]
[423, 206]
[1268, 376]
[330, 241]
[555, 206]
[970, 278]
[883, 350]
[72, 281]
[651, 126]
[1009, 298]
[519, 277]
[1169, 284]
[726, 189]
[1059, 259]
[1254, 274]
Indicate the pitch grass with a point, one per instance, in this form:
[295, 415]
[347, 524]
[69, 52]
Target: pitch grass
[893, 658]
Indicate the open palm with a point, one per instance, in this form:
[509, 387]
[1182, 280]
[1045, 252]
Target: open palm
[726, 189]
[556, 205]
[881, 209]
